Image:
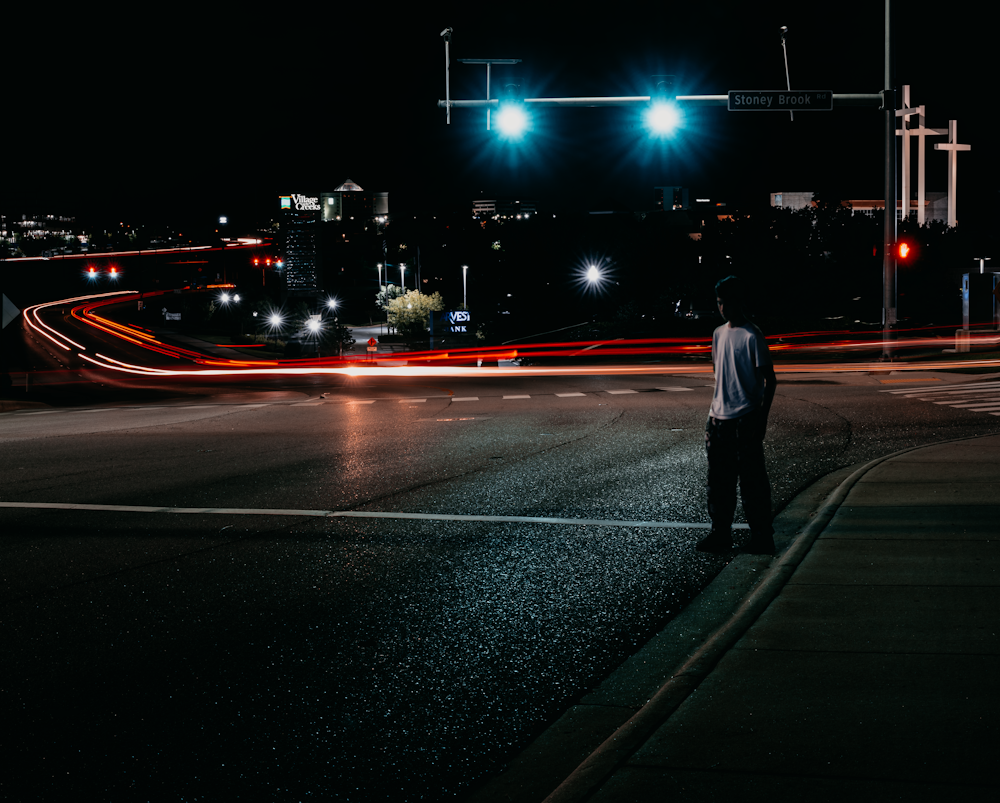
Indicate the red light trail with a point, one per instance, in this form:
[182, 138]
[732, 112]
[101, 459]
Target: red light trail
[454, 362]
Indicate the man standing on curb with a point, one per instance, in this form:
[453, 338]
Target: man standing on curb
[734, 434]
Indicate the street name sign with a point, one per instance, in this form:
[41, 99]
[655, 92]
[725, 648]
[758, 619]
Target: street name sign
[780, 100]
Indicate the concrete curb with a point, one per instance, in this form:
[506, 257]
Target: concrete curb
[617, 748]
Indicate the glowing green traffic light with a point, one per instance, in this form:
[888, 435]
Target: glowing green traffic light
[663, 118]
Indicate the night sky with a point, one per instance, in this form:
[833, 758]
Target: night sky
[202, 112]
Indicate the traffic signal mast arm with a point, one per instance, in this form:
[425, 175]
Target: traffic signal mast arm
[847, 99]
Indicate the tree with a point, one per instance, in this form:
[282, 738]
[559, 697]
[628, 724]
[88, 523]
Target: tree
[411, 313]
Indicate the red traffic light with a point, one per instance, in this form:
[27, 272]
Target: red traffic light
[903, 250]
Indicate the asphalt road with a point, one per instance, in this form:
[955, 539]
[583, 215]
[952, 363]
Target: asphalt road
[183, 656]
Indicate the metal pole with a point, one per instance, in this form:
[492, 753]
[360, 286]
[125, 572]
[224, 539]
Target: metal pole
[446, 33]
[889, 226]
[788, 80]
[488, 110]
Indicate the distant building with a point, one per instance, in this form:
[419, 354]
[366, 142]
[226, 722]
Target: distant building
[503, 209]
[38, 227]
[302, 214]
[299, 221]
[350, 202]
[936, 204]
[671, 197]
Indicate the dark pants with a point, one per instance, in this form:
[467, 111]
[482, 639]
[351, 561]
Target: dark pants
[736, 452]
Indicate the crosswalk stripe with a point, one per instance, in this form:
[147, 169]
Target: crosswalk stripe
[975, 397]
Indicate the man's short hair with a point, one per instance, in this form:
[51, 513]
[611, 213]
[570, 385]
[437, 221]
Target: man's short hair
[729, 289]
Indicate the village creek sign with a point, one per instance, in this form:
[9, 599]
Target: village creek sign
[780, 100]
[301, 203]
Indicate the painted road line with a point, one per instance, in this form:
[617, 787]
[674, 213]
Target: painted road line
[621, 391]
[154, 509]
[670, 389]
[362, 401]
[411, 401]
[676, 525]
[465, 398]
[517, 397]
[567, 395]
[361, 514]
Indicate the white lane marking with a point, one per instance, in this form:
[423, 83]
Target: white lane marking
[677, 525]
[363, 514]
[153, 509]
[312, 403]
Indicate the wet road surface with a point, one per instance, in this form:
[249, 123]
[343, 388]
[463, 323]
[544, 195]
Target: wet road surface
[198, 656]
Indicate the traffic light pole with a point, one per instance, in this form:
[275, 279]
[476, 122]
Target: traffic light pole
[886, 100]
[889, 223]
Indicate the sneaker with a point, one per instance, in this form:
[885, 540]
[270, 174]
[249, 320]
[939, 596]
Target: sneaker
[715, 542]
[760, 545]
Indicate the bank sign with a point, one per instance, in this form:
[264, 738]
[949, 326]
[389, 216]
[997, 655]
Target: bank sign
[780, 100]
[300, 203]
[452, 322]
[457, 322]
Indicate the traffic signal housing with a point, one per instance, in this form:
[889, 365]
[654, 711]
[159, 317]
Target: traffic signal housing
[663, 117]
[512, 119]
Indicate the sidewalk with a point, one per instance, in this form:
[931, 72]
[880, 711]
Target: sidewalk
[865, 665]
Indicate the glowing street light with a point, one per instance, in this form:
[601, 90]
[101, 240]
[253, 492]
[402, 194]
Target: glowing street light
[593, 275]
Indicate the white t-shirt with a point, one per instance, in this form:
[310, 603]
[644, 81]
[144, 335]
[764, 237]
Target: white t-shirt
[738, 353]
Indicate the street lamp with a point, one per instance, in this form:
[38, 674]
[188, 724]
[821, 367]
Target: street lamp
[274, 321]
